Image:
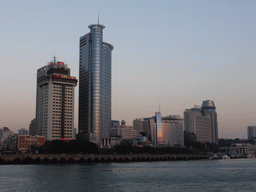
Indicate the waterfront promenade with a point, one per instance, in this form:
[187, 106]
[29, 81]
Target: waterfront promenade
[92, 158]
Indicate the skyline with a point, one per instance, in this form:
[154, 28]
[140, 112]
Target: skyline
[173, 54]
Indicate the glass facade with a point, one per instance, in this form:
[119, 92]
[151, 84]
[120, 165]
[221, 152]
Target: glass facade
[95, 87]
[159, 133]
[166, 131]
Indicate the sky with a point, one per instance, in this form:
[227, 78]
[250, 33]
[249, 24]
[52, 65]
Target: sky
[169, 53]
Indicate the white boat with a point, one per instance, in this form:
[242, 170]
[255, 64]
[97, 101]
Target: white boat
[225, 157]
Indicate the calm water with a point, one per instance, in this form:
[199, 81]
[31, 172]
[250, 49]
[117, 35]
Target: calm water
[201, 175]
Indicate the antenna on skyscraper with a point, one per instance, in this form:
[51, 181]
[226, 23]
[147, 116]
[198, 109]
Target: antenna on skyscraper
[159, 108]
[98, 18]
[54, 59]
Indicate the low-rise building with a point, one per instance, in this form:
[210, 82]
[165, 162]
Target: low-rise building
[25, 142]
[115, 141]
[241, 150]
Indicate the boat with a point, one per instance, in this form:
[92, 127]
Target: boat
[225, 157]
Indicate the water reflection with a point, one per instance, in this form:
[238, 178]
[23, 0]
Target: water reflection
[221, 175]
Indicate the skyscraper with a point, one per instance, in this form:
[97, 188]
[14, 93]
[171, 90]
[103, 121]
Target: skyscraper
[209, 106]
[95, 87]
[54, 102]
[251, 131]
[197, 121]
[202, 121]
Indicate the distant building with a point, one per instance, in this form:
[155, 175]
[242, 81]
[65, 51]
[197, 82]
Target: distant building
[6, 133]
[22, 131]
[127, 132]
[1, 135]
[209, 107]
[197, 121]
[167, 131]
[115, 141]
[251, 131]
[54, 102]
[202, 122]
[10, 144]
[115, 128]
[32, 127]
[163, 131]
[141, 125]
[241, 150]
[25, 142]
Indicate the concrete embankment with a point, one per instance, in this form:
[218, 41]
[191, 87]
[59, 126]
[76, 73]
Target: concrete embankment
[92, 158]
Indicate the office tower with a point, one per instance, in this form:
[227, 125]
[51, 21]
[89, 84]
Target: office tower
[251, 131]
[209, 107]
[95, 87]
[197, 121]
[54, 102]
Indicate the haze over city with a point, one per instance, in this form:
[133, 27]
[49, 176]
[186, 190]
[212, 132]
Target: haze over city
[169, 53]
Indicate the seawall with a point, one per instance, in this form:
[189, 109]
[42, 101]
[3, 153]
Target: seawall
[92, 158]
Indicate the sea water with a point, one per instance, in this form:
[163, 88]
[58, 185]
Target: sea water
[196, 175]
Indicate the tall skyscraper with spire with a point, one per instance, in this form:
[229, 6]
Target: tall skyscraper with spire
[95, 87]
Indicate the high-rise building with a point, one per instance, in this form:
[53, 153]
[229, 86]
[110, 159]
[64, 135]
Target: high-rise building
[54, 102]
[209, 107]
[251, 131]
[95, 87]
[199, 123]
[202, 121]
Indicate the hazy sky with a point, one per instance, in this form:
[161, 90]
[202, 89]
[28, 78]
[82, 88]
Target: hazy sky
[173, 53]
